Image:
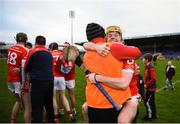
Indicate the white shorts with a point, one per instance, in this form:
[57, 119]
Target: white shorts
[70, 84]
[59, 83]
[14, 87]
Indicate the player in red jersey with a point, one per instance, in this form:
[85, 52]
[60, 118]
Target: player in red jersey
[25, 90]
[70, 83]
[59, 81]
[16, 54]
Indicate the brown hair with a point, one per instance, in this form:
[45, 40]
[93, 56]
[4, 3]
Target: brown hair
[148, 56]
[113, 29]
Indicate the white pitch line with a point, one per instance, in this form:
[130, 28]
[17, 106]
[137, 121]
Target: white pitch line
[158, 90]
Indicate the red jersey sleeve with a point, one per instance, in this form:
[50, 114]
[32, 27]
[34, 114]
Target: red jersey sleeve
[120, 51]
[133, 86]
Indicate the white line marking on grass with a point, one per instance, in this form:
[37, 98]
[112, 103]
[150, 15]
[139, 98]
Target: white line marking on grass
[158, 90]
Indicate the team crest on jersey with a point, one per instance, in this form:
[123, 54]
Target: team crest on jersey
[130, 61]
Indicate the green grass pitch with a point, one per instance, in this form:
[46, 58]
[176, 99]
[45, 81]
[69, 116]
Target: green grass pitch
[167, 102]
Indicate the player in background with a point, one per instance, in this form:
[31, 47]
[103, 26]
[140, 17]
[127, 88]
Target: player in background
[29, 45]
[70, 84]
[59, 81]
[170, 73]
[25, 90]
[16, 54]
[150, 85]
[39, 66]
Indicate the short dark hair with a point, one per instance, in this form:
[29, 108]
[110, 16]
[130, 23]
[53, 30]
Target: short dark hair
[67, 43]
[40, 40]
[53, 46]
[148, 56]
[28, 44]
[21, 37]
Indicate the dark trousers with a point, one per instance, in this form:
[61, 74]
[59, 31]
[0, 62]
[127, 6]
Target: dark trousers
[42, 96]
[150, 104]
[102, 115]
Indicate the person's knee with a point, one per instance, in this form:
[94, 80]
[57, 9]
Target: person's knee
[133, 102]
[126, 118]
[84, 108]
[18, 99]
[123, 119]
[71, 91]
[129, 112]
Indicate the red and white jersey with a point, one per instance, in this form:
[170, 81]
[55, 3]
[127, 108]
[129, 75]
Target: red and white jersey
[71, 74]
[133, 85]
[16, 54]
[57, 63]
[134, 82]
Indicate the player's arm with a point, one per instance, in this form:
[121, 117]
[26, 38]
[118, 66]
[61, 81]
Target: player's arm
[102, 49]
[22, 71]
[116, 83]
[120, 51]
[28, 61]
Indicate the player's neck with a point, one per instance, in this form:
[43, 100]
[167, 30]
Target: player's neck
[21, 44]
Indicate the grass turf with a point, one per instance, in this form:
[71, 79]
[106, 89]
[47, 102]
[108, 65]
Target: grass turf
[167, 102]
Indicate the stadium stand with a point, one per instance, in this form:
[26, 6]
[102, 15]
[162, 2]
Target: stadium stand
[167, 44]
[3, 49]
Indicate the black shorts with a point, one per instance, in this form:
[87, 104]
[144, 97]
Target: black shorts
[102, 115]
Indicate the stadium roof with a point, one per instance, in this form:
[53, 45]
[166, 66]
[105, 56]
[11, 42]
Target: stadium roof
[154, 36]
[2, 43]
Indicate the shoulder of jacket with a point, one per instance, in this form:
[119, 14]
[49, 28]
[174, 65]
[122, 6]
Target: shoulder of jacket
[172, 66]
[150, 66]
